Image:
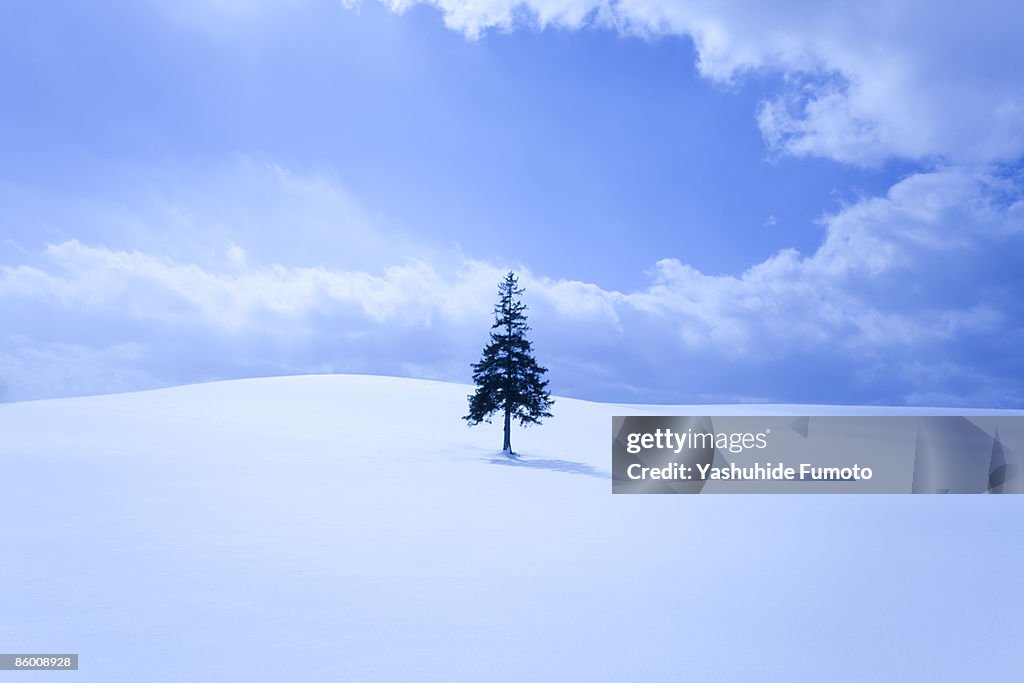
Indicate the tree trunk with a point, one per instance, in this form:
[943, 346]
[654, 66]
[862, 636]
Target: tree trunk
[508, 431]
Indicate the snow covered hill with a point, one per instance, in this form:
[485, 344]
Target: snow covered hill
[353, 528]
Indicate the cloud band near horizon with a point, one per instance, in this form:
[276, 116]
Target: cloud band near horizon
[888, 306]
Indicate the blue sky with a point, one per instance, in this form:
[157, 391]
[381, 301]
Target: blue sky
[813, 203]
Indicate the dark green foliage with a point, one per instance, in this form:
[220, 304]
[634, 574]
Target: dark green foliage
[508, 378]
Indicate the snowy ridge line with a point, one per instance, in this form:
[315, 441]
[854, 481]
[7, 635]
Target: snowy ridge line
[709, 409]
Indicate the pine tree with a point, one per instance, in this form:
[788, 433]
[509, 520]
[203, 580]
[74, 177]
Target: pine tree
[508, 378]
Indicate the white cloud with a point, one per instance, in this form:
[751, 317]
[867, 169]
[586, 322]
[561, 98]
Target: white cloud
[876, 281]
[863, 82]
[915, 270]
[82, 277]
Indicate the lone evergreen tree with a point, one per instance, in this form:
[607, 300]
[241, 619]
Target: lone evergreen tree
[508, 377]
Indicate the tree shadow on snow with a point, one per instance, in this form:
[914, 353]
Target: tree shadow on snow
[566, 466]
